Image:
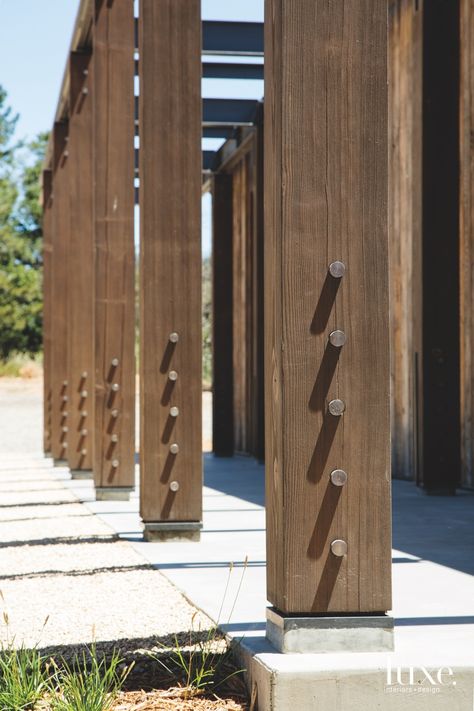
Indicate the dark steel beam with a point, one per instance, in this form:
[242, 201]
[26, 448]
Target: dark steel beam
[230, 112]
[222, 70]
[208, 158]
[232, 37]
[218, 132]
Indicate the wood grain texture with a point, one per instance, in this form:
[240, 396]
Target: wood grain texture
[405, 98]
[467, 242]
[170, 282]
[80, 269]
[326, 188]
[441, 310]
[47, 286]
[59, 292]
[247, 281]
[113, 127]
[222, 320]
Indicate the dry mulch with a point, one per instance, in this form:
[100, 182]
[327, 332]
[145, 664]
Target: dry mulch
[173, 700]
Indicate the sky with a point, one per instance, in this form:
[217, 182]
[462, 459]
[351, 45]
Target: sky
[34, 42]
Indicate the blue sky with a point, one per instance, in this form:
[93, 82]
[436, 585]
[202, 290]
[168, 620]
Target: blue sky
[34, 42]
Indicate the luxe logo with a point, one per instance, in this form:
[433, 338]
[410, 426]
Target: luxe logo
[417, 680]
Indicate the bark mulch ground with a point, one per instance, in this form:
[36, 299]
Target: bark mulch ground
[175, 700]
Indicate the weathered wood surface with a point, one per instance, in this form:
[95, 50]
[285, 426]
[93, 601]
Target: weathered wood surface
[222, 321]
[467, 243]
[441, 312]
[47, 188]
[241, 300]
[113, 126]
[59, 292]
[80, 269]
[248, 299]
[170, 285]
[405, 98]
[326, 188]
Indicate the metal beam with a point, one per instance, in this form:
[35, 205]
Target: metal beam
[228, 112]
[223, 70]
[239, 38]
[208, 158]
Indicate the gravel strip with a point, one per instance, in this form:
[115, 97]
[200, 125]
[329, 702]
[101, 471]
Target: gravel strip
[61, 563]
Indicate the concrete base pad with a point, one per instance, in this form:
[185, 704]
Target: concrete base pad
[172, 531]
[60, 463]
[350, 682]
[113, 493]
[81, 474]
[319, 635]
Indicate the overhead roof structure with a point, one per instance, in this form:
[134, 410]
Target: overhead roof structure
[221, 117]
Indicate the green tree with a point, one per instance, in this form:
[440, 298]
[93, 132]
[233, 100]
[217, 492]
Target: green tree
[20, 240]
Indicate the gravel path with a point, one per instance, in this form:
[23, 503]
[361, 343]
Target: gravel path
[59, 562]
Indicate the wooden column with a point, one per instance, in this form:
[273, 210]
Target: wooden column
[441, 333]
[170, 276]
[326, 180]
[467, 243]
[47, 287]
[80, 270]
[222, 319]
[113, 66]
[405, 160]
[60, 390]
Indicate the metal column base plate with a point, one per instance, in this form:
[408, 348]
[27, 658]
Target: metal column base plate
[81, 474]
[172, 531]
[310, 635]
[113, 493]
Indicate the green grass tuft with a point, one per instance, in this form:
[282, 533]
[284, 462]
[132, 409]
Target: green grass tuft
[23, 680]
[88, 683]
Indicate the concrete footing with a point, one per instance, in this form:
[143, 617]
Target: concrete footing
[319, 635]
[81, 474]
[351, 682]
[113, 493]
[172, 531]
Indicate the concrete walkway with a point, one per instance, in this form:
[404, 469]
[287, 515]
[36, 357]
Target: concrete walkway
[433, 563]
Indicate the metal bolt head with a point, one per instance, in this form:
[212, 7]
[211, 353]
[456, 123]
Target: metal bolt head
[339, 548]
[337, 269]
[64, 414]
[65, 429]
[84, 413]
[174, 485]
[85, 72]
[66, 154]
[115, 387]
[174, 411]
[84, 393]
[64, 445]
[64, 383]
[85, 91]
[115, 463]
[174, 337]
[337, 338]
[114, 438]
[337, 407]
[83, 452]
[115, 413]
[65, 398]
[174, 448]
[84, 432]
[338, 477]
[114, 362]
[84, 374]
[173, 375]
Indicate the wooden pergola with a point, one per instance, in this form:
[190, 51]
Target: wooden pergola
[341, 227]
